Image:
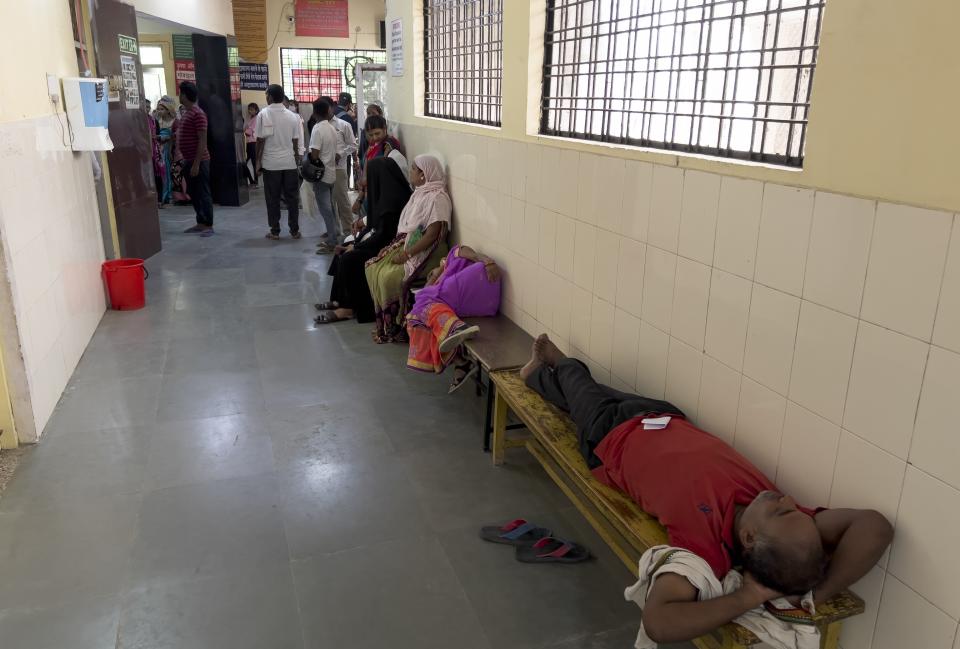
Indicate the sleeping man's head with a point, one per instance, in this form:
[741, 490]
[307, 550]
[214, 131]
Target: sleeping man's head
[781, 544]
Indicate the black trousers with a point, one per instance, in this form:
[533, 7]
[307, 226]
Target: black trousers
[596, 409]
[350, 289]
[199, 189]
[251, 161]
[285, 182]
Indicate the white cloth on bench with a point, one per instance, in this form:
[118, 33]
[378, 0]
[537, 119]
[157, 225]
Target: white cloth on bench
[774, 632]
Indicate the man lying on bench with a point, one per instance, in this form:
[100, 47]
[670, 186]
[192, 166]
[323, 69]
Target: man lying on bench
[711, 500]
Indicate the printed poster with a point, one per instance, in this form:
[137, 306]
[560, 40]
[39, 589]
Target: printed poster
[184, 71]
[326, 18]
[396, 47]
[254, 76]
[131, 85]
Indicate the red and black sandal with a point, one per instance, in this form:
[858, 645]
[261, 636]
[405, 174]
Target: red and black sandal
[552, 550]
[518, 532]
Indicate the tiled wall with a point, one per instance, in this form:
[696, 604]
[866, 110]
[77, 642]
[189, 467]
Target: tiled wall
[51, 241]
[817, 333]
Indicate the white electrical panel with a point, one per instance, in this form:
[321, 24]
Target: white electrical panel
[87, 108]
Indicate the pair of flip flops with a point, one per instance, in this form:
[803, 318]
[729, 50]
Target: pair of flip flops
[535, 544]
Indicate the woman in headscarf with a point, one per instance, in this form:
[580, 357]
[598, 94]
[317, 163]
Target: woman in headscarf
[166, 116]
[419, 247]
[466, 284]
[350, 296]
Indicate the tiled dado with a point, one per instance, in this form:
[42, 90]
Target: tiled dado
[818, 333]
[50, 227]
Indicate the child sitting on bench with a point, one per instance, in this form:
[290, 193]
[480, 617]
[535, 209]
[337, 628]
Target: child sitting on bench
[711, 500]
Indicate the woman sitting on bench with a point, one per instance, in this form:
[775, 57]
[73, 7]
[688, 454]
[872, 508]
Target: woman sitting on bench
[465, 284]
[712, 501]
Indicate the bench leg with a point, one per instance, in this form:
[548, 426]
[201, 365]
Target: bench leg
[486, 422]
[499, 428]
[830, 636]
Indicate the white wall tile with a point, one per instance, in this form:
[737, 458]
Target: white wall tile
[517, 155]
[546, 304]
[560, 173]
[563, 308]
[822, 360]
[928, 533]
[719, 399]
[839, 249]
[866, 477]
[659, 276]
[626, 345]
[588, 188]
[534, 192]
[609, 194]
[684, 365]
[908, 620]
[548, 239]
[517, 220]
[760, 425]
[529, 291]
[698, 215]
[633, 258]
[936, 444]
[531, 232]
[605, 268]
[784, 237]
[808, 453]
[601, 332]
[738, 225]
[638, 181]
[946, 332]
[857, 631]
[885, 387]
[581, 318]
[907, 259]
[691, 294]
[652, 361]
[666, 198]
[771, 336]
[566, 237]
[727, 318]
[584, 255]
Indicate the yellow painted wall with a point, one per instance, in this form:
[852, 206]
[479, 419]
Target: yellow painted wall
[883, 120]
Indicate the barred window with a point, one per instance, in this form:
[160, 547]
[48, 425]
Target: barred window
[463, 59]
[309, 73]
[729, 78]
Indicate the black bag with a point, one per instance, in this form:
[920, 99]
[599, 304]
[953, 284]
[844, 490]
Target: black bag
[311, 170]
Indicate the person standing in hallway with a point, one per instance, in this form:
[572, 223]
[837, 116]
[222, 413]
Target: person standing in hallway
[346, 149]
[323, 147]
[278, 133]
[192, 139]
[250, 166]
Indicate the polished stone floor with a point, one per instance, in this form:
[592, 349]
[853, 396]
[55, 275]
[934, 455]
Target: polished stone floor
[220, 474]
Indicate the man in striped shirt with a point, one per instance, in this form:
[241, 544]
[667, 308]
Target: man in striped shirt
[192, 140]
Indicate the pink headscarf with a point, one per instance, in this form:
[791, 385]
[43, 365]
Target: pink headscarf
[430, 202]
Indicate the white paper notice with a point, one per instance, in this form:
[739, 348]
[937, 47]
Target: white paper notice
[655, 423]
[396, 47]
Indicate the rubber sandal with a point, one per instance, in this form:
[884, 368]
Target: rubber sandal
[456, 338]
[552, 550]
[518, 533]
[329, 317]
[272, 236]
[326, 306]
[468, 373]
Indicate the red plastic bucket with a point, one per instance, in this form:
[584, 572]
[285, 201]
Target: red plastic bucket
[125, 283]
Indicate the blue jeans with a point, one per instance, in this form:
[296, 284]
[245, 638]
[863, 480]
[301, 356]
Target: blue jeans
[324, 193]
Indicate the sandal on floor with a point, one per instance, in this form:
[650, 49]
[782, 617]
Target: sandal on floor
[469, 369]
[327, 306]
[457, 337]
[518, 532]
[325, 249]
[329, 317]
[552, 550]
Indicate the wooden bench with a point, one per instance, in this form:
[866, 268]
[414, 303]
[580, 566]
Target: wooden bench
[500, 345]
[617, 519]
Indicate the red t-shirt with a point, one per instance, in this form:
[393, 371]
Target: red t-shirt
[188, 137]
[689, 479]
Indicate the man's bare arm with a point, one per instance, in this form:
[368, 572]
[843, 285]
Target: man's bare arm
[856, 538]
[673, 614]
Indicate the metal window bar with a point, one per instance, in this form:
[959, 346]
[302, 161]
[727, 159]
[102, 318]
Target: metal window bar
[463, 60]
[729, 78]
[309, 73]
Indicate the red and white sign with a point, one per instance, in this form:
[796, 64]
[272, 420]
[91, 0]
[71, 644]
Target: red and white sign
[184, 71]
[309, 85]
[326, 18]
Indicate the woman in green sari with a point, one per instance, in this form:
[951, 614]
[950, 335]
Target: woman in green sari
[419, 247]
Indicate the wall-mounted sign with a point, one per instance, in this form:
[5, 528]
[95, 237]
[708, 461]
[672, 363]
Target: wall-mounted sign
[254, 76]
[184, 71]
[183, 47]
[250, 24]
[326, 18]
[396, 47]
[131, 85]
[128, 44]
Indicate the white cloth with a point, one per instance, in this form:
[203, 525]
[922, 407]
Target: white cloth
[401, 161]
[278, 127]
[774, 632]
[346, 141]
[323, 140]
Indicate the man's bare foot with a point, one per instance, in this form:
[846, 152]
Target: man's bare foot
[544, 352]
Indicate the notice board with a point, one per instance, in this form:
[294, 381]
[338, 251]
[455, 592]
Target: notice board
[326, 18]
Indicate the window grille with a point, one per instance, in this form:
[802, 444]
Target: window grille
[463, 59]
[730, 78]
[309, 73]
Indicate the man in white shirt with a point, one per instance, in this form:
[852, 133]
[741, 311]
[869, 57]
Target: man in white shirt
[323, 147]
[346, 149]
[278, 133]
